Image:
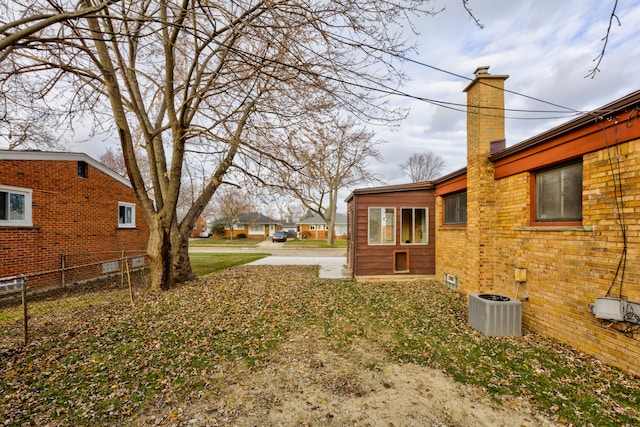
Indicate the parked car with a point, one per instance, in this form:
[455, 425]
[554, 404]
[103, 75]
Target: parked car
[206, 234]
[279, 236]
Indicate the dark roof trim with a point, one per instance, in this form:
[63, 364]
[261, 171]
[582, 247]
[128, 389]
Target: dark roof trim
[392, 189]
[626, 103]
[450, 175]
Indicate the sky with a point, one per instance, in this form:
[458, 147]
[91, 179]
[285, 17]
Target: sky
[547, 47]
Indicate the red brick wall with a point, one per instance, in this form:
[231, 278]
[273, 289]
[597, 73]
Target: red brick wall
[71, 215]
[197, 229]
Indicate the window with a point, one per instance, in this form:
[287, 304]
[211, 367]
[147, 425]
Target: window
[83, 169]
[414, 225]
[382, 226]
[15, 206]
[126, 215]
[558, 194]
[256, 229]
[455, 209]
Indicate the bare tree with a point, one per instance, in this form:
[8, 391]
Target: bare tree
[114, 161]
[334, 154]
[219, 79]
[423, 166]
[229, 204]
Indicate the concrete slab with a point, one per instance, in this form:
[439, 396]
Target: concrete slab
[331, 267]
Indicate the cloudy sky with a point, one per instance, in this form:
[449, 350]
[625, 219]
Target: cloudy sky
[547, 48]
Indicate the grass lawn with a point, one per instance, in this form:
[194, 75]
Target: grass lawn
[184, 349]
[224, 242]
[307, 243]
[207, 263]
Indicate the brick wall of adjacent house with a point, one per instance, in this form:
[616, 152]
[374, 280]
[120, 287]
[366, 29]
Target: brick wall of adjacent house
[71, 215]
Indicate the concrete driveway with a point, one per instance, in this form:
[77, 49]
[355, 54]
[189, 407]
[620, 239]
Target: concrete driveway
[331, 261]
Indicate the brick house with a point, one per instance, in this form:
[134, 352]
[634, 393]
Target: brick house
[200, 226]
[252, 224]
[561, 210]
[316, 228]
[63, 210]
[392, 231]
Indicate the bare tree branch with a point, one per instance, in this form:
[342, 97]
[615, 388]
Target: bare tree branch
[598, 59]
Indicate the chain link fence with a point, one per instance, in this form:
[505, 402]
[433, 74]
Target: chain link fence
[39, 304]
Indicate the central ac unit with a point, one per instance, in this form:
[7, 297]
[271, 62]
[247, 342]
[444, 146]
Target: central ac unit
[495, 315]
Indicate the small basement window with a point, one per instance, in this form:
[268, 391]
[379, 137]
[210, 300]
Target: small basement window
[83, 169]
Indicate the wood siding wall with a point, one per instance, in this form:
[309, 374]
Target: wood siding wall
[380, 260]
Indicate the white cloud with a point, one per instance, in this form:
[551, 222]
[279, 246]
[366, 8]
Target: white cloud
[546, 46]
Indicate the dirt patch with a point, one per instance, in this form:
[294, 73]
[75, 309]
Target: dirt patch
[308, 383]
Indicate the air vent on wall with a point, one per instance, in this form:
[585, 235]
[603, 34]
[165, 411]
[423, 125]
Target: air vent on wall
[451, 281]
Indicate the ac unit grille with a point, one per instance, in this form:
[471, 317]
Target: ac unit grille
[495, 315]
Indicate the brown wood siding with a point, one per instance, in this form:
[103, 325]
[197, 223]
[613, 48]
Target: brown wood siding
[379, 260]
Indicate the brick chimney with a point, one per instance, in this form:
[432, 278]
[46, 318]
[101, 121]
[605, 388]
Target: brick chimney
[485, 124]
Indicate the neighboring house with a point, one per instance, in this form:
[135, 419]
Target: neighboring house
[64, 208]
[392, 231]
[316, 228]
[199, 227]
[290, 227]
[553, 221]
[252, 224]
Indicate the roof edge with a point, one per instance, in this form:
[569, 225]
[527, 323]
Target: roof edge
[61, 156]
[614, 107]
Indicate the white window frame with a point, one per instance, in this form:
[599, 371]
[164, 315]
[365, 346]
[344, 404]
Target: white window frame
[256, 229]
[132, 223]
[383, 212]
[27, 220]
[413, 227]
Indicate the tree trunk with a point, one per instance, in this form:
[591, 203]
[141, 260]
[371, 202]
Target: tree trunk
[331, 231]
[160, 256]
[182, 271]
[332, 216]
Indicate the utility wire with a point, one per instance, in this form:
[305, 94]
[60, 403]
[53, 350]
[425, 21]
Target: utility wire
[391, 91]
[441, 70]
